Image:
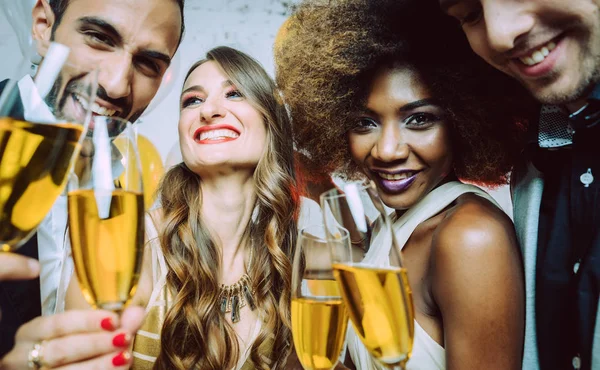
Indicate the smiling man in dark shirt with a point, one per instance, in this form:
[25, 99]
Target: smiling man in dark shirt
[553, 48]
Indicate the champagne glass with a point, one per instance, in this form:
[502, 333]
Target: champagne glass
[43, 118]
[106, 214]
[319, 319]
[369, 270]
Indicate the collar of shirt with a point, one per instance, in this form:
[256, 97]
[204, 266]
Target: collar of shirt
[34, 107]
[554, 129]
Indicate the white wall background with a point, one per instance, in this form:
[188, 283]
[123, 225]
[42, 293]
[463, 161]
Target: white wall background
[248, 25]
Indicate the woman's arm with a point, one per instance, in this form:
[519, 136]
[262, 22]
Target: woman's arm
[477, 283]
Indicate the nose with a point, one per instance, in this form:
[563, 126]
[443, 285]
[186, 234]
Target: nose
[507, 22]
[211, 108]
[116, 75]
[390, 145]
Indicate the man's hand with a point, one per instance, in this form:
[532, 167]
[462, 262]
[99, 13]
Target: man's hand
[17, 267]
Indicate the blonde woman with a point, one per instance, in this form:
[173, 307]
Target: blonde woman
[216, 275]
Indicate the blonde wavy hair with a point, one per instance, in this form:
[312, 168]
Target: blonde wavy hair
[195, 334]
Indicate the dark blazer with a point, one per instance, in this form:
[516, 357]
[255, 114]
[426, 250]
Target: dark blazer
[19, 300]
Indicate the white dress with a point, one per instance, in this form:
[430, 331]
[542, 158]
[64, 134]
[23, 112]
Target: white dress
[427, 354]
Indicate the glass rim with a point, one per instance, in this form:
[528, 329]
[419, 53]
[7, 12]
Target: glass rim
[329, 194]
[303, 232]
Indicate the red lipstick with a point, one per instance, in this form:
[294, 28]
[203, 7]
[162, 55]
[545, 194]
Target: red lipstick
[206, 128]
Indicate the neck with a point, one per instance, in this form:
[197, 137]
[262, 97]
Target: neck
[227, 205]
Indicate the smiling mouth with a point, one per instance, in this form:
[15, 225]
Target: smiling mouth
[538, 55]
[396, 176]
[395, 183]
[216, 135]
[95, 107]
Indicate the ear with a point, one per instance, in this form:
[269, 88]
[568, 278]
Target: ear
[42, 18]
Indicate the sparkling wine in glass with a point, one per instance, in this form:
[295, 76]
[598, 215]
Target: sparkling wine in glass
[369, 270]
[319, 319]
[106, 214]
[43, 119]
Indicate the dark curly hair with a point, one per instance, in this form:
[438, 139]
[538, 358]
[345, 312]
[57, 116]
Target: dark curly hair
[328, 52]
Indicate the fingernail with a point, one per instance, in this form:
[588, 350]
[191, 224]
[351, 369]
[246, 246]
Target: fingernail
[121, 359]
[121, 340]
[107, 324]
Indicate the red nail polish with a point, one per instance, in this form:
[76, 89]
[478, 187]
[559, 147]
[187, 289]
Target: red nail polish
[107, 324]
[121, 340]
[121, 359]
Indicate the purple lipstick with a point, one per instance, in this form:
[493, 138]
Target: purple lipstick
[390, 185]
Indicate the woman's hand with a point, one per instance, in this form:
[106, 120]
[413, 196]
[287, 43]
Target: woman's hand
[87, 339]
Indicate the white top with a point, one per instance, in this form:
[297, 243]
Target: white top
[427, 354]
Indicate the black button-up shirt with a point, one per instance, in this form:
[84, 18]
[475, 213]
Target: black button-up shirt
[568, 259]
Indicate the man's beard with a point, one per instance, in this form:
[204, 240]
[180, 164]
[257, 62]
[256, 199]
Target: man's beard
[57, 102]
[52, 99]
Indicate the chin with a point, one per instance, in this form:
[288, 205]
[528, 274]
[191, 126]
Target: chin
[397, 202]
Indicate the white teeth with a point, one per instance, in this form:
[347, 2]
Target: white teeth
[538, 55]
[397, 176]
[218, 134]
[95, 107]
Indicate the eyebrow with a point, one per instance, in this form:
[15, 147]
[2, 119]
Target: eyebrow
[118, 39]
[105, 26]
[199, 88]
[445, 5]
[418, 104]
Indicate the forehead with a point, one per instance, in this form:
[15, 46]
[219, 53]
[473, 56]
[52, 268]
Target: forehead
[397, 84]
[152, 24]
[207, 74]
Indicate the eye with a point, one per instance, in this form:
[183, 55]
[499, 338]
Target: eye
[466, 12]
[364, 125]
[191, 100]
[234, 94]
[421, 120]
[471, 17]
[98, 39]
[148, 67]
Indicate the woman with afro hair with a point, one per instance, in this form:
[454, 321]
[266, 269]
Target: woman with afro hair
[375, 92]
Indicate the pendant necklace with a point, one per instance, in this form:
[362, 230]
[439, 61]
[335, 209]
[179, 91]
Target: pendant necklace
[236, 296]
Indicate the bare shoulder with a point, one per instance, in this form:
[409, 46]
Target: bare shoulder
[477, 284]
[474, 238]
[473, 224]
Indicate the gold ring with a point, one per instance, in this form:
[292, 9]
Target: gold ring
[35, 359]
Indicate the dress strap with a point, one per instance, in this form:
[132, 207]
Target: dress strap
[403, 226]
[378, 254]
